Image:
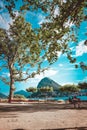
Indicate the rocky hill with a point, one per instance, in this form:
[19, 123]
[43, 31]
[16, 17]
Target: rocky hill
[22, 92]
[48, 82]
[3, 96]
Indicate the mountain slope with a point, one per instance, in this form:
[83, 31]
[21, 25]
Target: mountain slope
[3, 96]
[22, 92]
[48, 82]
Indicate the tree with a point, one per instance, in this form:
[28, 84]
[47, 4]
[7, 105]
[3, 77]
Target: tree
[82, 85]
[55, 32]
[69, 88]
[45, 90]
[31, 89]
[19, 53]
[18, 96]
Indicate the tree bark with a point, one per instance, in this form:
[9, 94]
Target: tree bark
[11, 84]
[11, 91]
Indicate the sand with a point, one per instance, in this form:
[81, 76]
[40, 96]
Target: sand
[42, 116]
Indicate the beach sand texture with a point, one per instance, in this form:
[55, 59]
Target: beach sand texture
[42, 116]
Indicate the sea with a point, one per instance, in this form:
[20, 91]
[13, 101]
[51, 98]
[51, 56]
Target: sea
[82, 98]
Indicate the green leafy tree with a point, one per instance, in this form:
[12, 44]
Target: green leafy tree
[69, 88]
[18, 96]
[55, 32]
[54, 35]
[45, 90]
[31, 89]
[19, 53]
[82, 85]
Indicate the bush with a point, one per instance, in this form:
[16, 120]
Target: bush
[17, 96]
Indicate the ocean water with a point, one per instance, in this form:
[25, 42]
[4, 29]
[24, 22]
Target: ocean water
[83, 98]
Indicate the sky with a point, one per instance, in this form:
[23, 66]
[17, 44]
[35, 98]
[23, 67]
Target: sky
[61, 71]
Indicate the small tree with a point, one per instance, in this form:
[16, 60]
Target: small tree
[45, 90]
[18, 96]
[31, 89]
[83, 86]
[68, 88]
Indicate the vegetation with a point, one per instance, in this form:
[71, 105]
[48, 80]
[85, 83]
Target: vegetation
[31, 89]
[17, 96]
[45, 89]
[82, 85]
[19, 52]
[21, 46]
[36, 92]
[56, 29]
[69, 88]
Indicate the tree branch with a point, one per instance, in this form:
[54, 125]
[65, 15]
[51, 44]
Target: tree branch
[30, 76]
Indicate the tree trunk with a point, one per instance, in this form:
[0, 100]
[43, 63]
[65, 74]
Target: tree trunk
[11, 84]
[11, 91]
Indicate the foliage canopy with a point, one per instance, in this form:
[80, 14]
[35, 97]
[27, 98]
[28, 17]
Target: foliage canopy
[20, 51]
[21, 46]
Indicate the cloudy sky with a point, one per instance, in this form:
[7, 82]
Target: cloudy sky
[62, 71]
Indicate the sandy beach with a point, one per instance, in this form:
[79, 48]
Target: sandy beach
[42, 116]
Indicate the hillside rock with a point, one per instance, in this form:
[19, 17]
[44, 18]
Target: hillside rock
[22, 92]
[3, 96]
[48, 82]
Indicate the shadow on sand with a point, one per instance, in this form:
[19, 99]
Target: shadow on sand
[35, 107]
[18, 129]
[72, 128]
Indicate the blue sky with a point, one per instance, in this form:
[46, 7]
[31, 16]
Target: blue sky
[62, 71]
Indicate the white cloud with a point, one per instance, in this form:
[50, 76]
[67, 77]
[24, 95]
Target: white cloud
[47, 73]
[85, 79]
[73, 68]
[1, 6]
[73, 48]
[81, 48]
[4, 16]
[64, 1]
[6, 20]
[41, 19]
[60, 65]
[38, 16]
[5, 74]
[59, 54]
[56, 12]
[16, 13]
[68, 24]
